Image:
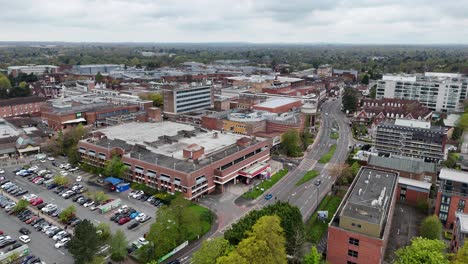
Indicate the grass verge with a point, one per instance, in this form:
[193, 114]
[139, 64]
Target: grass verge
[327, 156]
[334, 135]
[307, 177]
[265, 185]
[315, 229]
[207, 218]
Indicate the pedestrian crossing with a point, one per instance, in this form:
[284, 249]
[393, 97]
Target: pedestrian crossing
[307, 164]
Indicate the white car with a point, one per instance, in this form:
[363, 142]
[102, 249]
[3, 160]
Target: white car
[51, 158]
[143, 241]
[59, 235]
[25, 239]
[62, 242]
[73, 169]
[138, 193]
[78, 179]
[29, 197]
[123, 208]
[2, 171]
[43, 160]
[34, 168]
[140, 217]
[49, 208]
[88, 204]
[64, 173]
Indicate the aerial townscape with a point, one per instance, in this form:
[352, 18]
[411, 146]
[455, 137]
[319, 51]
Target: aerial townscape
[218, 132]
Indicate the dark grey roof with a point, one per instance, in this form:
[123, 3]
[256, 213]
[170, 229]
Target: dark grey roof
[21, 100]
[402, 164]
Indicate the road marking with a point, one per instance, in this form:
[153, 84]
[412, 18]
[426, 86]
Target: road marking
[61, 252]
[293, 194]
[95, 220]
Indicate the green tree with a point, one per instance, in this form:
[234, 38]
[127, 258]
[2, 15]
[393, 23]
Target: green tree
[61, 180]
[98, 260]
[373, 91]
[20, 205]
[99, 196]
[431, 227]
[73, 156]
[462, 255]
[157, 98]
[291, 222]
[264, 244]
[188, 227]
[350, 99]
[314, 257]
[291, 142]
[422, 251]
[67, 214]
[5, 86]
[355, 168]
[365, 79]
[211, 250]
[115, 167]
[118, 246]
[85, 243]
[104, 232]
[23, 84]
[99, 78]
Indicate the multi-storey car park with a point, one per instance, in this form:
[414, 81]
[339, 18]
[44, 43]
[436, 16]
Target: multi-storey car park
[438, 91]
[412, 138]
[179, 157]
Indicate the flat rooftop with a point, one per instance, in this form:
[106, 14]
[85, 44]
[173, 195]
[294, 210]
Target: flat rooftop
[7, 130]
[413, 123]
[277, 102]
[371, 196]
[169, 138]
[453, 175]
[463, 218]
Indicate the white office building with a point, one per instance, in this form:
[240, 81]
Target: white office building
[444, 92]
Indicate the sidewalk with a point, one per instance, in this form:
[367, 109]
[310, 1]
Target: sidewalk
[5, 163]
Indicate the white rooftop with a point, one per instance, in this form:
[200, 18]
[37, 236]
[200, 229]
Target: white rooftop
[6, 130]
[451, 120]
[277, 102]
[463, 222]
[263, 78]
[453, 175]
[413, 123]
[138, 133]
[415, 183]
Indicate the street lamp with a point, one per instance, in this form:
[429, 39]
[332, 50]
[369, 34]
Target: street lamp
[317, 184]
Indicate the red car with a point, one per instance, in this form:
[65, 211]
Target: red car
[124, 220]
[36, 201]
[1, 232]
[35, 178]
[31, 219]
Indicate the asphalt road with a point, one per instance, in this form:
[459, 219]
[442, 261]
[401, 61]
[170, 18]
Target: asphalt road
[307, 195]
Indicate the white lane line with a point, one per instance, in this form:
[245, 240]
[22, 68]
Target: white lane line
[61, 252]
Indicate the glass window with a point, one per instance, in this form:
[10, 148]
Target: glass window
[353, 241]
[352, 253]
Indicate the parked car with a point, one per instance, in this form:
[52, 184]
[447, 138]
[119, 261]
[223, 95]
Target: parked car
[37, 201]
[63, 242]
[88, 203]
[25, 239]
[24, 231]
[133, 225]
[124, 220]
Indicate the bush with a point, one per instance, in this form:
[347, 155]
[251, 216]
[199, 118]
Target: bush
[327, 156]
[431, 227]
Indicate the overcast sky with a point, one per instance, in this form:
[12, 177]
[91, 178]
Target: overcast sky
[285, 21]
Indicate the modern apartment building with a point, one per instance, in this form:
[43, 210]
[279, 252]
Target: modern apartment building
[412, 138]
[460, 232]
[451, 196]
[359, 230]
[183, 98]
[438, 91]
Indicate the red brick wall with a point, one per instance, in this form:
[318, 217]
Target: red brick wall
[413, 196]
[370, 250]
[211, 123]
[452, 208]
[21, 109]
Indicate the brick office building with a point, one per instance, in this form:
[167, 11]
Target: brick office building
[178, 157]
[451, 196]
[21, 106]
[359, 230]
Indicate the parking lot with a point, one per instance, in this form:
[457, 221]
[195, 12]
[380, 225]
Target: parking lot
[81, 212]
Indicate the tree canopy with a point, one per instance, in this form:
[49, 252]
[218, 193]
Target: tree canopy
[462, 255]
[85, 243]
[118, 246]
[264, 244]
[67, 213]
[314, 257]
[422, 251]
[291, 142]
[350, 100]
[115, 167]
[211, 250]
[291, 222]
[431, 227]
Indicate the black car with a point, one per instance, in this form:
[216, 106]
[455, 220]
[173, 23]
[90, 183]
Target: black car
[22, 192]
[77, 197]
[133, 225]
[55, 232]
[42, 205]
[144, 197]
[51, 186]
[174, 262]
[58, 189]
[14, 246]
[24, 231]
[7, 242]
[115, 216]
